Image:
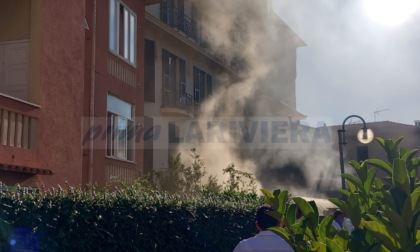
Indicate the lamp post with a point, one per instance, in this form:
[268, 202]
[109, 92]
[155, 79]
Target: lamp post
[365, 136]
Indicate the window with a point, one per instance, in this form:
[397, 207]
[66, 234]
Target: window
[122, 31]
[120, 129]
[167, 14]
[203, 85]
[169, 70]
[174, 79]
[172, 13]
[171, 64]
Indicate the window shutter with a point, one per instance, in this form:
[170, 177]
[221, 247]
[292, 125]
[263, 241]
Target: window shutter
[14, 81]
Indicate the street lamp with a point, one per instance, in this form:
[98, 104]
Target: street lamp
[365, 136]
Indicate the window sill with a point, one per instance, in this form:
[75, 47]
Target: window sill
[20, 100]
[122, 160]
[123, 59]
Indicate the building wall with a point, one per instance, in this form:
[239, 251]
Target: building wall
[61, 89]
[15, 20]
[183, 48]
[71, 71]
[215, 17]
[112, 75]
[163, 41]
[55, 95]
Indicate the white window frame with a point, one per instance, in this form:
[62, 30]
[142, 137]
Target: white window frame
[120, 145]
[129, 53]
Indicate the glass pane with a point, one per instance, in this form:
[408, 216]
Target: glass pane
[112, 27]
[133, 39]
[122, 138]
[126, 32]
[172, 71]
[110, 135]
[119, 107]
[131, 140]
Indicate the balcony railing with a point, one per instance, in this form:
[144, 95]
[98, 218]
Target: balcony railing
[18, 129]
[177, 19]
[190, 27]
[176, 100]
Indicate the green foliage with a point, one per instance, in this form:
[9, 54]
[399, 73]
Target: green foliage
[395, 197]
[183, 215]
[180, 178]
[127, 218]
[384, 211]
[305, 233]
[213, 184]
[239, 181]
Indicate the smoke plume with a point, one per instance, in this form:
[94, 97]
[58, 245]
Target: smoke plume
[251, 35]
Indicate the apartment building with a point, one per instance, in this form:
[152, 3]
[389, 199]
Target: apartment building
[41, 91]
[71, 91]
[81, 82]
[195, 50]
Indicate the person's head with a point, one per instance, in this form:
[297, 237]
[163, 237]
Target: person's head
[339, 216]
[264, 220]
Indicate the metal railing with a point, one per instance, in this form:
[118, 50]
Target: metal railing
[174, 99]
[192, 28]
[177, 19]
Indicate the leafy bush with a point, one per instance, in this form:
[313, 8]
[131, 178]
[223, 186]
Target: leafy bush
[130, 218]
[173, 211]
[239, 181]
[385, 211]
[181, 178]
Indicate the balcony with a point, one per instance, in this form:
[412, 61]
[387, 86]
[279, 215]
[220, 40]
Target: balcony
[175, 103]
[177, 19]
[19, 126]
[192, 28]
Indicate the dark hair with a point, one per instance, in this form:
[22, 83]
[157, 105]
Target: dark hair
[337, 214]
[264, 220]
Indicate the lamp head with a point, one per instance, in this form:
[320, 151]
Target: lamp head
[365, 135]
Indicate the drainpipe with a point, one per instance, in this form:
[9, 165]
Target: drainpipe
[92, 96]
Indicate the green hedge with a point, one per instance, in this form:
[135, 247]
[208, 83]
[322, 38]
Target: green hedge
[129, 219]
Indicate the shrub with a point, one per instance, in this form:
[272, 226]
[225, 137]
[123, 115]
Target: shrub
[187, 179]
[131, 218]
[180, 178]
[396, 198]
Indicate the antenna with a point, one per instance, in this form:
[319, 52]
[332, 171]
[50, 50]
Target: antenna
[377, 111]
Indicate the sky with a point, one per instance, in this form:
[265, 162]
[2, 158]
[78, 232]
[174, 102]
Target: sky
[358, 59]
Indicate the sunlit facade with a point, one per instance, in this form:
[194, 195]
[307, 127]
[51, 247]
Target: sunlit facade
[80, 83]
[71, 91]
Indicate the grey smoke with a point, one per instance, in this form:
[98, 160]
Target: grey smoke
[267, 76]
